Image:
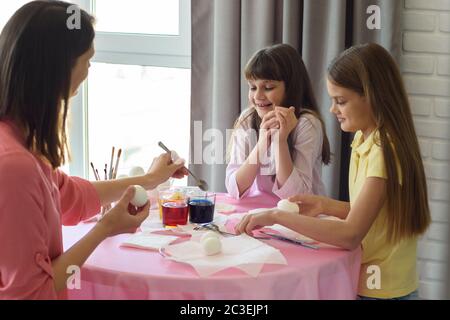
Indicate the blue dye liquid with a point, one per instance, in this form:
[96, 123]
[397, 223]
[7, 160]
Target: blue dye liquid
[201, 211]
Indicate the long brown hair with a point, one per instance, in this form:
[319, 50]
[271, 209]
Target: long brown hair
[370, 71]
[38, 52]
[281, 62]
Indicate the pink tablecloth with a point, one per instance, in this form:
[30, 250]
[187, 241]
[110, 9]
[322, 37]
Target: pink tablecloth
[114, 272]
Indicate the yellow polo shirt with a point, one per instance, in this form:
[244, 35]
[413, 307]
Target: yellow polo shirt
[387, 270]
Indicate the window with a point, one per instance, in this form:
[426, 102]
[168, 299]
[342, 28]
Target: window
[138, 107]
[138, 90]
[147, 17]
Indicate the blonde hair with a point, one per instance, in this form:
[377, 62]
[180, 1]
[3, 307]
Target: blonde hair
[370, 71]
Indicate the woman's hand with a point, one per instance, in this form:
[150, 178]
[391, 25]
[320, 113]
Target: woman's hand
[163, 168]
[120, 220]
[287, 121]
[310, 205]
[256, 221]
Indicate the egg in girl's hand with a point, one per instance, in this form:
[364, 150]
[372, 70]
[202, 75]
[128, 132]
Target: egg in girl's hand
[136, 171]
[140, 197]
[212, 246]
[286, 205]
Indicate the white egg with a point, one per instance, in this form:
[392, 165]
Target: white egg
[286, 205]
[136, 171]
[140, 197]
[207, 235]
[212, 246]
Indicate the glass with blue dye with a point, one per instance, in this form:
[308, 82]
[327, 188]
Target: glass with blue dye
[201, 207]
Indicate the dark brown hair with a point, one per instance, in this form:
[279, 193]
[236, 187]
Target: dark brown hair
[38, 52]
[370, 71]
[282, 62]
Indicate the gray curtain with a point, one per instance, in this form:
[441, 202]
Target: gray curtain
[225, 33]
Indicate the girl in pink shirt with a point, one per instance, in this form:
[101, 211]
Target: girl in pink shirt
[279, 142]
[43, 62]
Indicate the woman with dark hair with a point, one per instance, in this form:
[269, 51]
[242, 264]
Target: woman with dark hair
[43, 63]
[279, 143]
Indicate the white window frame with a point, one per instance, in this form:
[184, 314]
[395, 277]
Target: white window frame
[133, 49]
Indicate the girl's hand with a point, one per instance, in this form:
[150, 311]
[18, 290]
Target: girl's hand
[269, 121]
[120, 220]
[310, 205]
[287, 120]
[255, 221]
[268, 125]
[163, 168]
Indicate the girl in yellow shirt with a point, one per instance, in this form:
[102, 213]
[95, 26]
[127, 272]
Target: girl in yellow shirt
[388, 206]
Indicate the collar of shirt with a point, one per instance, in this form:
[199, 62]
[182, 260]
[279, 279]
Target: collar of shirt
[361, 146]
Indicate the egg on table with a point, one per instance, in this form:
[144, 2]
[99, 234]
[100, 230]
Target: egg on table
[286, 205]
[211, 246]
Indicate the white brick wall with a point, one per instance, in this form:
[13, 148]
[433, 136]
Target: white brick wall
[425, 64]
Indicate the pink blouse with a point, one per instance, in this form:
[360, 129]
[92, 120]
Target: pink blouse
[306, 178]
[34, 201]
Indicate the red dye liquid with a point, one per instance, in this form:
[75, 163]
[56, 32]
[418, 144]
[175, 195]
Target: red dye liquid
[174, 213]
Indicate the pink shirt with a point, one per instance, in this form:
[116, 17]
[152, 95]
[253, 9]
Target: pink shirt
[306, 178]
[34, 201]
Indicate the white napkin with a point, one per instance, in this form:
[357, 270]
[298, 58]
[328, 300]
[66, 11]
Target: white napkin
[147, 241]
[243, 252]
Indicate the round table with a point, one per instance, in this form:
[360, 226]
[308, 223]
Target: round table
[115, 272]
